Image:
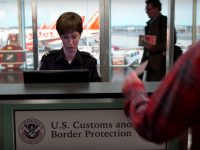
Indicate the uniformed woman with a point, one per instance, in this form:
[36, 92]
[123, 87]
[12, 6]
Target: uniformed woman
[69, 27]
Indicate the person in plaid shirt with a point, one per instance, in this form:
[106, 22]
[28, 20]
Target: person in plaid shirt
[173, 107]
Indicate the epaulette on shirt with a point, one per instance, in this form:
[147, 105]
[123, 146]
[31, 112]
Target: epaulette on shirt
[49, 53]
[87, 54]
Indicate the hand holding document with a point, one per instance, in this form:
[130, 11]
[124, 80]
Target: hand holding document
[133, 78]
[145, 40]
[139, 70]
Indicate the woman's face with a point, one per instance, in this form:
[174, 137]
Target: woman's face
[70, 41]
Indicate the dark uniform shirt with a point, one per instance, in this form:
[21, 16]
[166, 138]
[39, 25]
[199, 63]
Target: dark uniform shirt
[55, 60]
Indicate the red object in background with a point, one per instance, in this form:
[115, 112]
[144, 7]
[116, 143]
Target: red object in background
[12, 56]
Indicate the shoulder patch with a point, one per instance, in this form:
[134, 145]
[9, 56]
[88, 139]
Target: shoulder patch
[51, 52]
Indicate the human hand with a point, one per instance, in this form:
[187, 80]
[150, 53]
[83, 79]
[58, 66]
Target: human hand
[130, 79]
[150, 41]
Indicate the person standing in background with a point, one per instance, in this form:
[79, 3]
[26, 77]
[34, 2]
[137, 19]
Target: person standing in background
[155, 53]
[69, 27]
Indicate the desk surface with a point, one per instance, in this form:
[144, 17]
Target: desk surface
[66, 90]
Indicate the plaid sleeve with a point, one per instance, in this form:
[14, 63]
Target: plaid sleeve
[173, 106]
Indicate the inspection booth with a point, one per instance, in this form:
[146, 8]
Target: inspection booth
[73, 116]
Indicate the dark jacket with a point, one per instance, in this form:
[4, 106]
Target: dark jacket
[55, 60]
[156, 55]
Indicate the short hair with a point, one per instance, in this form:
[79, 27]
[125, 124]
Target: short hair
[155, 3]
[69, 22]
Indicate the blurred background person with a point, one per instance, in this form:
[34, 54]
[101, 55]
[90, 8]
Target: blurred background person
[155, 52]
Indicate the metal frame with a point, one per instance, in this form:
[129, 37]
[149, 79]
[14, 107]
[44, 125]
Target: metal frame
[21, 18]
[105, 44]
[35, 36]
[170, 35]
[194, 21]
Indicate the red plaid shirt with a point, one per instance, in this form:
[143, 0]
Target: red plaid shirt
[174, 106]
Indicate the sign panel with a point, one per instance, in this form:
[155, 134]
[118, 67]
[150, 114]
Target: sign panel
[77, 130]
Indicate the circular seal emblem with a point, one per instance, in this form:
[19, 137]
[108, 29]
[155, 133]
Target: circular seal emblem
[31, 131]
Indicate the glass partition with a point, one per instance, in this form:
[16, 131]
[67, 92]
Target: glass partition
[127, 23]
[128, 19]
[183, 23]
[48, 39]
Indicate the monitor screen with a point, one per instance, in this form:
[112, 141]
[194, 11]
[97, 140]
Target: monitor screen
[56, 76]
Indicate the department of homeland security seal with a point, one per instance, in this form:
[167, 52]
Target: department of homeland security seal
[31, 131]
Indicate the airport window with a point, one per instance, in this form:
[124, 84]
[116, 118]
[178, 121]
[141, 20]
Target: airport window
[127, 23]
[128, 19]
[8, 35]
[48, 39]
[125, 28]
[183, 23]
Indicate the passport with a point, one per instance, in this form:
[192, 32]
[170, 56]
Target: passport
[147, 39]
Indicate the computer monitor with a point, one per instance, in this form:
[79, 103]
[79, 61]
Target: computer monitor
[56, 76]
